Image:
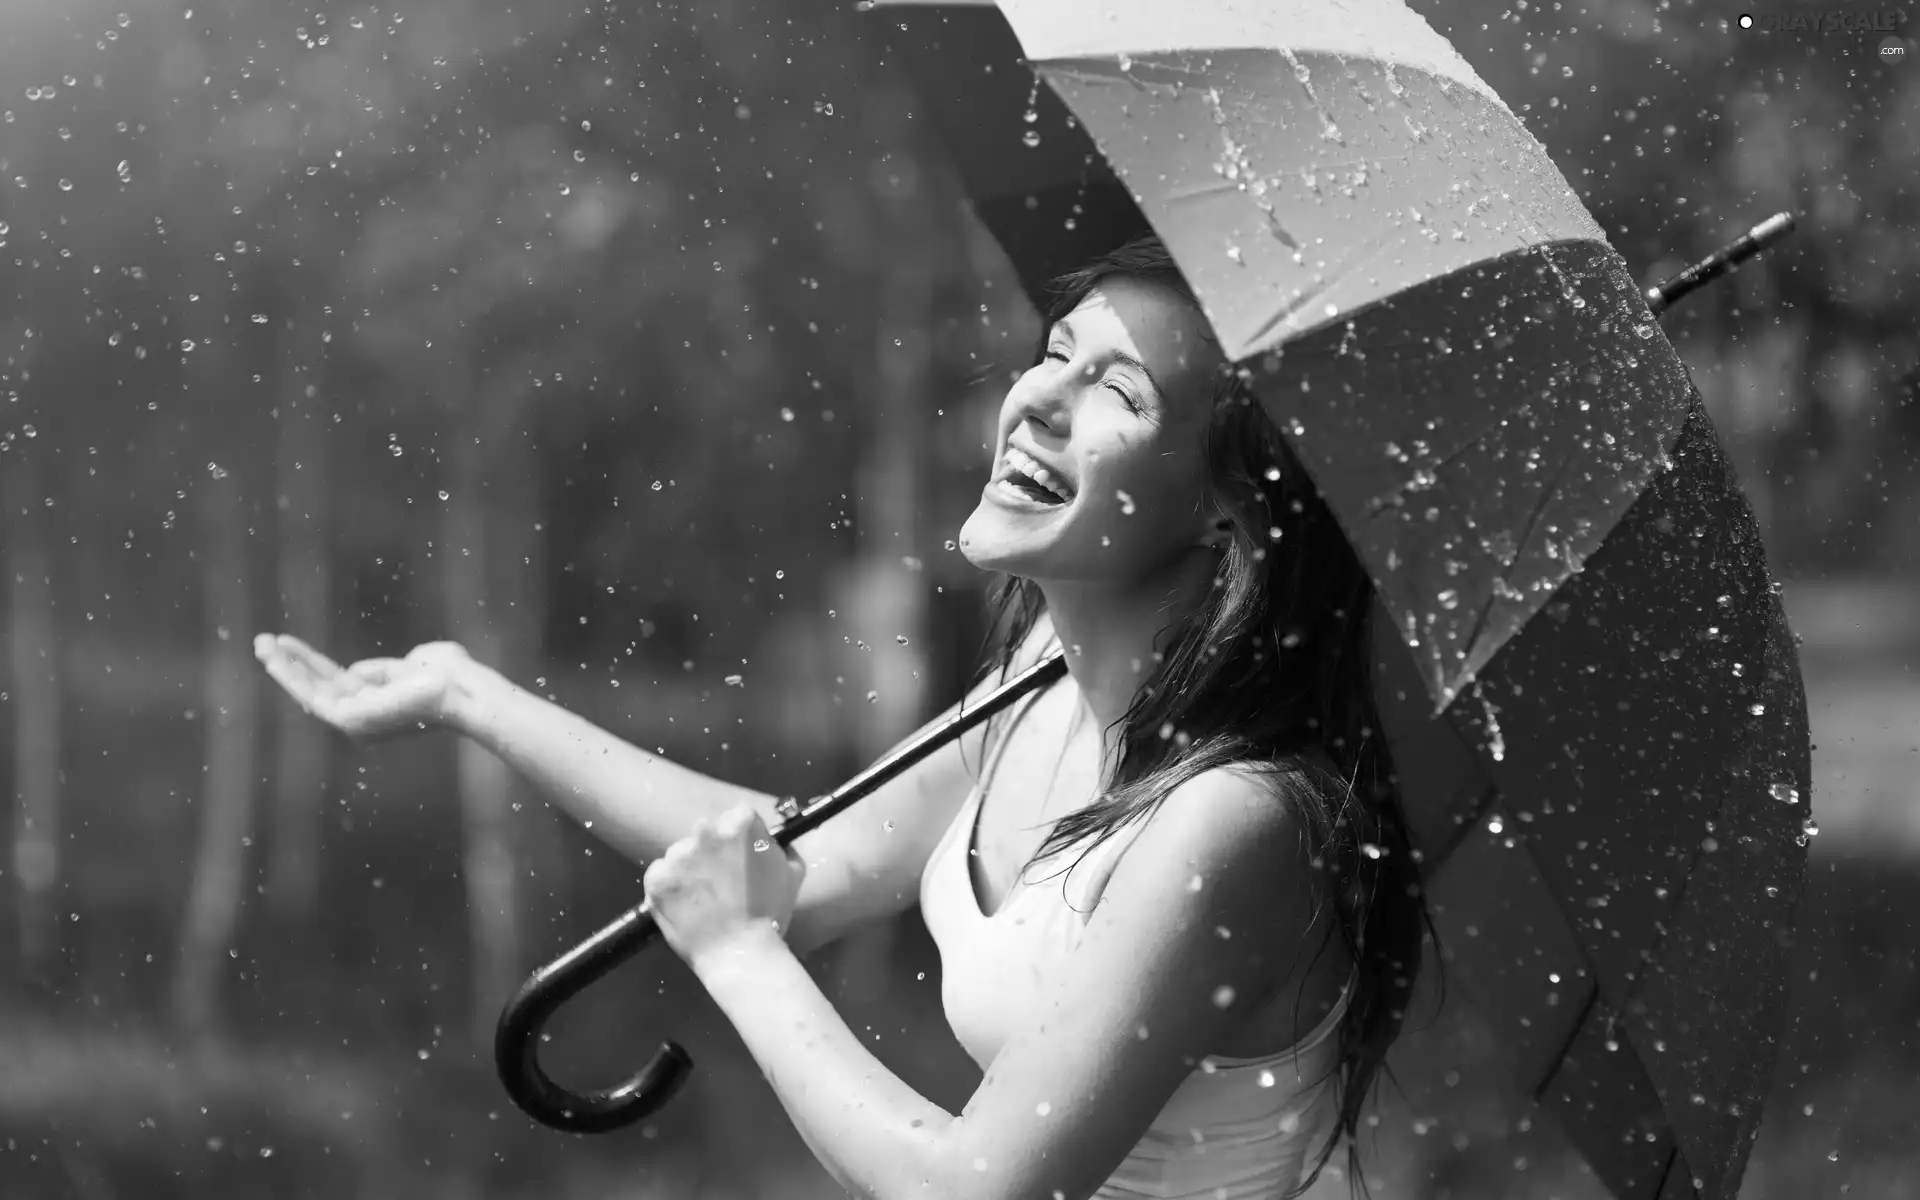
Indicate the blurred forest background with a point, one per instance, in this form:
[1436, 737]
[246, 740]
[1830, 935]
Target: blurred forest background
[647, 350]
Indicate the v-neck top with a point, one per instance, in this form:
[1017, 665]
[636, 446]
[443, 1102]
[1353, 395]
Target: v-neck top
[1235, 1129]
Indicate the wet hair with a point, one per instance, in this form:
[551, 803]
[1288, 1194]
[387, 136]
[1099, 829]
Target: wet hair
[1272, 672]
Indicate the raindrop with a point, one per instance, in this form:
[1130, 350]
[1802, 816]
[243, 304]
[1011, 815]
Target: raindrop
[1810, 827]
[1043, 1108]
[901, 638]
[1449, 599]
[1784, 792]
[1265, 1079]
[734, 680]
[1371, 850]
[444, 494]
[216, 470]
[786, 414]
[1126, 503]
[1030, 138]
[761, 845]
[1757, 709]
[66, 185]
[1273, 474]
[873, 697]
[657, 485]
[124, 171]
[1223, 996]
[952, 545]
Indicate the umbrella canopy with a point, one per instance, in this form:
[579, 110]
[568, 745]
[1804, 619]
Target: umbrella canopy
[1594, 699]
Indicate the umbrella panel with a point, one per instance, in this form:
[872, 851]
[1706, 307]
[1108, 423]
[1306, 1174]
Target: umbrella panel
[1655, 726]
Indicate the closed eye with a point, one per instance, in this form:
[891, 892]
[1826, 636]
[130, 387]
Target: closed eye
[1058, 354]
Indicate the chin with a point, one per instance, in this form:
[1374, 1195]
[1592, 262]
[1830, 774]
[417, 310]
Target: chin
[994, 540]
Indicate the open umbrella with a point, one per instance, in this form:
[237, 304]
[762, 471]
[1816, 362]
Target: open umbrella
[1589, 682]
[1594, 698]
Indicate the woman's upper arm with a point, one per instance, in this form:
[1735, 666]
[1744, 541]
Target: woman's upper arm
[1153, 985]
[865, 864]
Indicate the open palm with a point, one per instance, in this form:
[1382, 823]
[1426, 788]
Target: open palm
[376, 697]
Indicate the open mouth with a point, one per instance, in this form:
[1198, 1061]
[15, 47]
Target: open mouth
[1021, 474]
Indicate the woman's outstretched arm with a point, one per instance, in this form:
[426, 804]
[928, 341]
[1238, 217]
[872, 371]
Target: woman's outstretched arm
[864, 865]
[1151, 987]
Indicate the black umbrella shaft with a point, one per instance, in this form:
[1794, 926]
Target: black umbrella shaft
[1662, 296]
[798, 819]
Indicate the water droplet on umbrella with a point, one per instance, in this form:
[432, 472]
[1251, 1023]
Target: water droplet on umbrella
[657, 485]
[873, 697]
[761, 845]
[1757, 709]
[735, 680]
[1030, 138]
[1126, 503]
[1784, 792]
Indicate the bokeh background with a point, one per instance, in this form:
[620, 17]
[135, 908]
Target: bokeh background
[647, 350]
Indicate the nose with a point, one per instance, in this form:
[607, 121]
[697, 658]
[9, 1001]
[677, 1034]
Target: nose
[1047, 399]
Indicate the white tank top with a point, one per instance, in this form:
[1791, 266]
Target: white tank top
[1236, 1129]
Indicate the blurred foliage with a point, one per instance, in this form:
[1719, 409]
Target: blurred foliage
[649, 261]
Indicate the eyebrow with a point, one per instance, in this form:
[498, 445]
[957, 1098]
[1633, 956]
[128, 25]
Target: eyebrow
[1120, 356]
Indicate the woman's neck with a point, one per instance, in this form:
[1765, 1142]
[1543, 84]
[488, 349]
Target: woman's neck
[1110, 636]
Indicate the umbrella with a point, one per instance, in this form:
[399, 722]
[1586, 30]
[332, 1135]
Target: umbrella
[1592, 691]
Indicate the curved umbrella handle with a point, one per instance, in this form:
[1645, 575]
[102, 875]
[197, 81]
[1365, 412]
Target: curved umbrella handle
[516, 1040]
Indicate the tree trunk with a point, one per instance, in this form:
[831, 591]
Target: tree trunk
[888, 599]
[230, 700]
[306, 588]
[485, 783]
[36, 697]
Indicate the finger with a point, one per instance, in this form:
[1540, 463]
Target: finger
[306, 655]
[296, 686]
[738, 821]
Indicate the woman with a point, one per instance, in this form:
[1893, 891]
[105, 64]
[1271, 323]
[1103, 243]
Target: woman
[1176, 912]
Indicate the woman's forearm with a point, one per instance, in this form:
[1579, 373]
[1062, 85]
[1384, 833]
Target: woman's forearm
[875, 1135]
[637, 802]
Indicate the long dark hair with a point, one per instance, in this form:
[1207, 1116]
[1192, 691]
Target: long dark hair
[1273, 671]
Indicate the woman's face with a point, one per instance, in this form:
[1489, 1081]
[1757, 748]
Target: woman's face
[1099, 471]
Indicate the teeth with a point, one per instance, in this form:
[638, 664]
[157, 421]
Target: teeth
[1026, 465]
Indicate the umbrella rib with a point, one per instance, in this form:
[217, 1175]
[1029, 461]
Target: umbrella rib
[1287, 308]
[1573, 1032]
[1520, 544]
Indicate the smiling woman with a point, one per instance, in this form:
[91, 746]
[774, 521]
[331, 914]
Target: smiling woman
[1177, 914]
[1176, 910]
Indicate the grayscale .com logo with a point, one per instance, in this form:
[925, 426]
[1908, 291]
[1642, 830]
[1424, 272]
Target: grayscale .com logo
[1847, 23]
[1825, 20]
